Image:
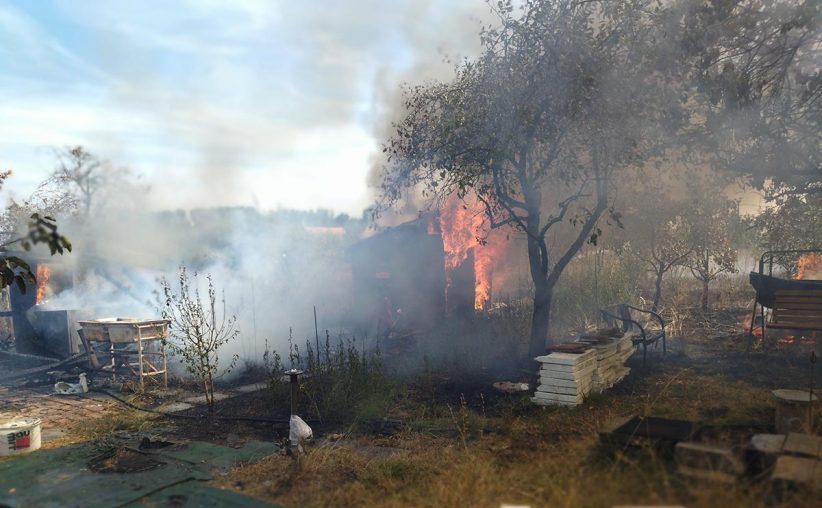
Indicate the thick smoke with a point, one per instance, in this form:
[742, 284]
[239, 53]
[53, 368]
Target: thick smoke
[273, 269]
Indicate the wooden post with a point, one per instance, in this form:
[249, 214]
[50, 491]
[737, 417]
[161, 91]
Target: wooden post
[140, 355]
[165, 364]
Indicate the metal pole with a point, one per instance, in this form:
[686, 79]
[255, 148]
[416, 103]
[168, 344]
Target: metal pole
[317, 335]
[810, 393]
[293, 377]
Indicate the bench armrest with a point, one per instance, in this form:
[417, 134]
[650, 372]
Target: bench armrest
[624, 320]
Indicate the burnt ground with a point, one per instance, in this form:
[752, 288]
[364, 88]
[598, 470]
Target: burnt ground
[256, 415]
[442, 422]
[463, 443]
[716, 344]
[718, 352]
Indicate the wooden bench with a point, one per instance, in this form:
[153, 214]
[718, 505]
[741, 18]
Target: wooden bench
[623, 316]
[797, 309]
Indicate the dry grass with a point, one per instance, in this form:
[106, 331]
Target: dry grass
[537, 457]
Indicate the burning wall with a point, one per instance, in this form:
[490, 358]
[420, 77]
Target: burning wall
[398, 278]
[466, 238]
[421, 270]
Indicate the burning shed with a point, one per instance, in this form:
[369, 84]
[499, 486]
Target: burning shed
[399, 278]
[37, 328]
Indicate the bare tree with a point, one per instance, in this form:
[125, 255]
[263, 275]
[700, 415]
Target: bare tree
[81, 184]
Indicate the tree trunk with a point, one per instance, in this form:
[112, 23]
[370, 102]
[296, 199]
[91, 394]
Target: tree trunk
[658, 288]
[704, 295]
[540, 319]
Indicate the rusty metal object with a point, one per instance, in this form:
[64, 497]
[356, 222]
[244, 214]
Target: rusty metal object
[294, 380]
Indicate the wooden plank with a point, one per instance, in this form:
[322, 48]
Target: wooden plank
[799, 309]
[798, 292]
[798, 313]
[796, 325]
[802, 306]
[796, 316]
[807, 322]
[797, 301]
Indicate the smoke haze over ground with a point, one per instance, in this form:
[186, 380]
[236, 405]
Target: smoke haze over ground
[272, 268]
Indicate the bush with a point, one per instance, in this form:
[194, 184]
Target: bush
[343, 383]
[591, 282]
[199, 328]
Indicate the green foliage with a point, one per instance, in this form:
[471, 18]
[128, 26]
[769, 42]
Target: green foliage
[755, 66]
[468, 424]
[41, 230]
[658, 226]
[714, 224]
[792, 223]
[198, 328]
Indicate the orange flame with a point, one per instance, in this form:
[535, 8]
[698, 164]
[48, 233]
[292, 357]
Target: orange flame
[808, 266]
[461, 224]
[42, 279]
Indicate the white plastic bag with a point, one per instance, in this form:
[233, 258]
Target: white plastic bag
[63, 388]
[298, 430]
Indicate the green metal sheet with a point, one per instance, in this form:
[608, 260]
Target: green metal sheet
[197, 494]
[61, 477]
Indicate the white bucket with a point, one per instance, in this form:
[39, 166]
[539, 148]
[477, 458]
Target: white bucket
[19, 436]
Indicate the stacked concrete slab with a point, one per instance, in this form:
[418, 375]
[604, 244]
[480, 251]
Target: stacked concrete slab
[565, 378]
[611, 357]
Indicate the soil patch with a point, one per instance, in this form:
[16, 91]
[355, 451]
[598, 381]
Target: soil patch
[123, 460]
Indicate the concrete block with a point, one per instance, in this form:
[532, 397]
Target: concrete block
[576, 390]
[544, 402]
[793, 408]
[558, 397]
[762, 452]
[591, 362]
[707, 462]
[568, 383]
[566, 358]
[793, 473]
[803, 445]
[581, 374]
[767, 443]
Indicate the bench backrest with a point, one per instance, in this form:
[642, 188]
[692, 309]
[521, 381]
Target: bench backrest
[799, 309]
[623, 312]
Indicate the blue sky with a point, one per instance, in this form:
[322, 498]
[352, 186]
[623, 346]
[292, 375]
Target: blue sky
[275, 103]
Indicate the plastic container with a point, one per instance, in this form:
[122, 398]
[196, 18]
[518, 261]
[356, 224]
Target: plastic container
[19, 436]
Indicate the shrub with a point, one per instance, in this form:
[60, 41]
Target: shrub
[198, 329]
[343, 383]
